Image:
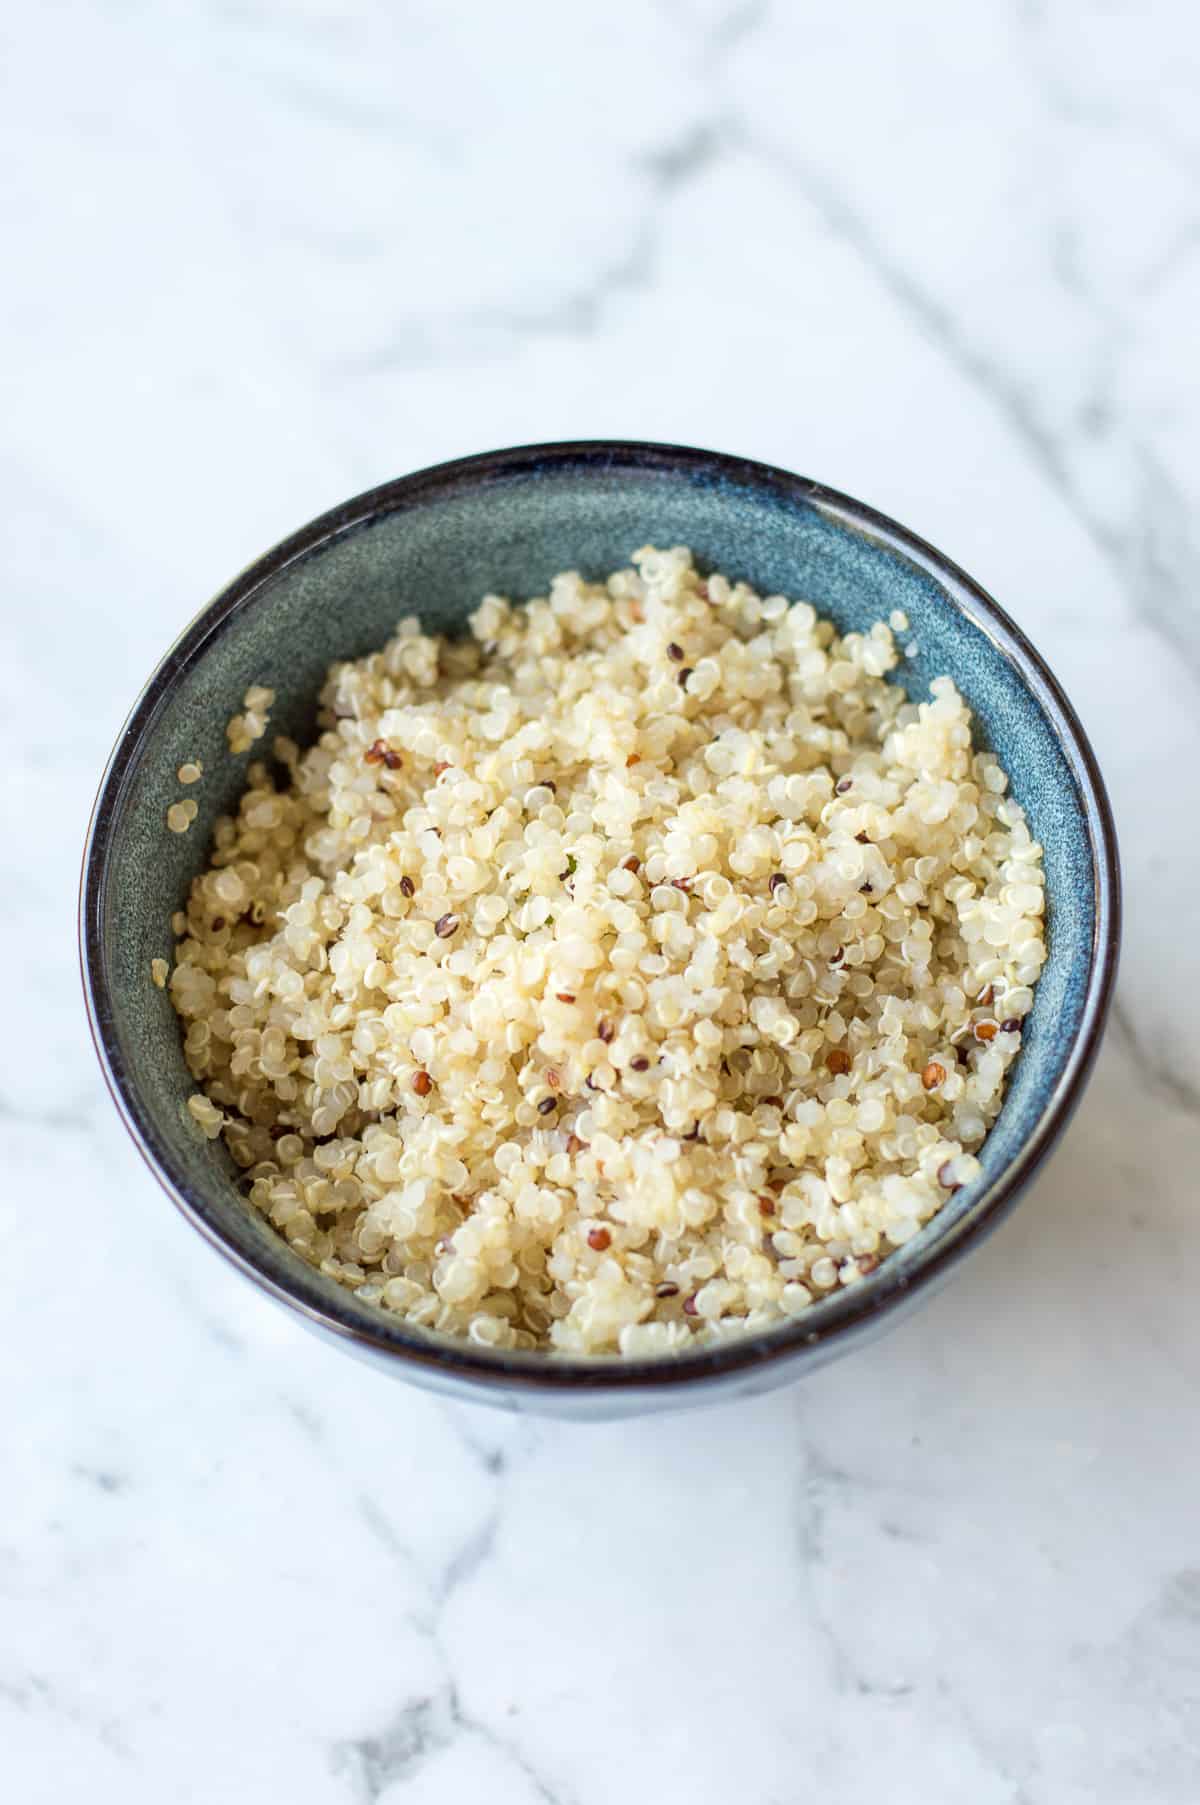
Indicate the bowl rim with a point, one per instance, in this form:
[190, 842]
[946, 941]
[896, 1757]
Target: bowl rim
[845, 1314]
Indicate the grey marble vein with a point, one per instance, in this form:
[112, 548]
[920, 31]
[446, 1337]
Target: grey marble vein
[36, 1694]
[465, 1563]
[105, 1479]
[420, 1730]
[1150, 554]
[1157, 1074]
[575, 310]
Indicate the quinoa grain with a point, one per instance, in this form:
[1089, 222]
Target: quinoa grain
[244, 729]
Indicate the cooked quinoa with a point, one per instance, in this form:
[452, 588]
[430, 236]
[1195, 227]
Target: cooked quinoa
[629, 974]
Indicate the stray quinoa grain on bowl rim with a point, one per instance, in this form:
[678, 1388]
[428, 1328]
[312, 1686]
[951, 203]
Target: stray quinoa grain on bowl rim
[617, 973]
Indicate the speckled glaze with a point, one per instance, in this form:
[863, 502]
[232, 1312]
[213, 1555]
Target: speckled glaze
[432, 544]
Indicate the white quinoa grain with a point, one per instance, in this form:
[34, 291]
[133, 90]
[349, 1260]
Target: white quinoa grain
[160, 971]
[191, 771]
[551, 982]
[244, 729]
[180, 816]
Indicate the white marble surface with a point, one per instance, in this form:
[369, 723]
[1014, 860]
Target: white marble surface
[262, 255]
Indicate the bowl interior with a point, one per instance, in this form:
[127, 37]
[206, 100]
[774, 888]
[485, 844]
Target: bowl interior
[431, 546]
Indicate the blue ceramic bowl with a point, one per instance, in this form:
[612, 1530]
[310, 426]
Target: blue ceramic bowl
[432, 544]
